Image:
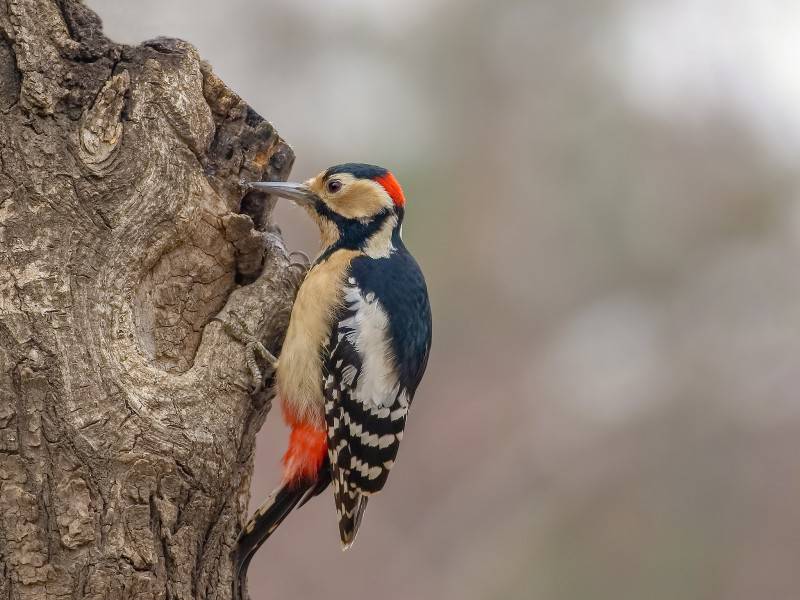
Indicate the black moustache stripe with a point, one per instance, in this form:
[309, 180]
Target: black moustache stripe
[354, 234]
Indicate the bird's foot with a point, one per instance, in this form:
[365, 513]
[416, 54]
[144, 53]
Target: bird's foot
[253, 349]
[301, 265]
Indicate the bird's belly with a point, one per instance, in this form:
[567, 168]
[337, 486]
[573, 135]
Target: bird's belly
[299, 373]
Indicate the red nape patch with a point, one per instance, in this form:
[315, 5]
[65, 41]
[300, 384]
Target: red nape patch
[392, 187]
[307, 449]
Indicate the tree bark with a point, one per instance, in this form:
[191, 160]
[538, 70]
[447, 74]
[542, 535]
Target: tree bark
[126, 421]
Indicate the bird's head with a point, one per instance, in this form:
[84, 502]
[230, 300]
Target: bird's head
[351, 203]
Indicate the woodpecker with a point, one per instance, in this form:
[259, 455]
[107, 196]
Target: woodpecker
[355, 351]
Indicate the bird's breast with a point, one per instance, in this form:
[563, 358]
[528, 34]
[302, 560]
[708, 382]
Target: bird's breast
[299, 373]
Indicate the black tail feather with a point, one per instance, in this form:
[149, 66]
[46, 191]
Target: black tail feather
[323, 481]
[266, 519]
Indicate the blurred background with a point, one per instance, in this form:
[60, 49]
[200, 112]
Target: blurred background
[604, 198]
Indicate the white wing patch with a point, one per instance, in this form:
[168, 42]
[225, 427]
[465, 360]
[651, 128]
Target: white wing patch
[378, 383]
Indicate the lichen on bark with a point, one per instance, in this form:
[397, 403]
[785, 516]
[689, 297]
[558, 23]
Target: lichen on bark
[127, 425]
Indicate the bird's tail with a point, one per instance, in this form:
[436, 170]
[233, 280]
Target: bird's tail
[266, 519]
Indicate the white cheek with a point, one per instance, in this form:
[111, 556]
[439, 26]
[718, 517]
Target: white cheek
[380, 244]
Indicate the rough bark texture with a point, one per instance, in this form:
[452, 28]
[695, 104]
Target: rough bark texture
[126, 423]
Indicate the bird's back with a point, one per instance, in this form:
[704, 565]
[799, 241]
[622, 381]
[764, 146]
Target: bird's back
[399, 286]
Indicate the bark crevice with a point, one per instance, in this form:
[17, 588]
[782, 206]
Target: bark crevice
[10, 75]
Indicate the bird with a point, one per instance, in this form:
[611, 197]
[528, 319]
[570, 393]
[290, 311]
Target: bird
[355, 351]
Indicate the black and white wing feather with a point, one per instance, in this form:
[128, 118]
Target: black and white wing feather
[366, 405]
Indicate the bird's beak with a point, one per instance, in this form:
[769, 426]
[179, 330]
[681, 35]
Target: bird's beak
[299, 192]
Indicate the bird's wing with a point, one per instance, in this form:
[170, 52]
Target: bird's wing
[366, 405]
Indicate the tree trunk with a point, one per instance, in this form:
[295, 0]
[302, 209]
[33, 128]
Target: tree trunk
[126, 421]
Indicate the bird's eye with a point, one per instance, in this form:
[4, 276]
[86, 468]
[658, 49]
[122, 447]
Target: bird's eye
[334, 185]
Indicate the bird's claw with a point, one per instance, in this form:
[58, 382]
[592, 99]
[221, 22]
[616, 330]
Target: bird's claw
[305, 261]
[253, 349]
[300, 266]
